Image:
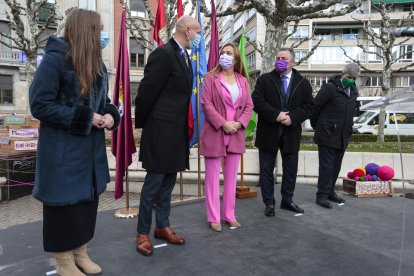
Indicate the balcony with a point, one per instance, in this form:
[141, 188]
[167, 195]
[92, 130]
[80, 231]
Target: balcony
[349, 36]
[12, 57]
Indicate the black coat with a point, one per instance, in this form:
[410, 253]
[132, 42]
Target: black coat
[161, 110]
[334, 114]
[267, 98]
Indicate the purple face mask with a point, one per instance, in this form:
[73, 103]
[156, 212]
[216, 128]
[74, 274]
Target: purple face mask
[281, 65]
[226, 61]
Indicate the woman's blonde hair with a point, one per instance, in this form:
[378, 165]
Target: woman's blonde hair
[238, 66]
[82, 33]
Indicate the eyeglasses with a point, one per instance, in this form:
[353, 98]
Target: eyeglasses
[227, 53]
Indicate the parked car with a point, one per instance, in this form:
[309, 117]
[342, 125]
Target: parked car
[368, 122]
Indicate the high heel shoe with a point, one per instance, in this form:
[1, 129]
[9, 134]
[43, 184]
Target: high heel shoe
[235, 224]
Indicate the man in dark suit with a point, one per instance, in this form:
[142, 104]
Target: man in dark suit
[283, 100]
[161, 110]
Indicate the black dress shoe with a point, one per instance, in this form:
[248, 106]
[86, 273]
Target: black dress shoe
[291, 207]
[270, 211]
[336, 198]
[324, 203]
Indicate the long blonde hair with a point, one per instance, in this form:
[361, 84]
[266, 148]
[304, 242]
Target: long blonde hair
[238, 66]
[82, 33]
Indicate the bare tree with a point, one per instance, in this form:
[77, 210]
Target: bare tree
[28, 23]
[279, 14]
[380, 43]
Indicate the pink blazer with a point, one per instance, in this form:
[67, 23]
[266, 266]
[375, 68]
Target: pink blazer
[214, 107]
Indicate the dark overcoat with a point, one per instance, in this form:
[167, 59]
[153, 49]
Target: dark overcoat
[267, 98]
[161, 110]
[71, 165]
[334, 114]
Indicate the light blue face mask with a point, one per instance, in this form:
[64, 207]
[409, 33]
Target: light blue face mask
[195, 41]
[104, 39]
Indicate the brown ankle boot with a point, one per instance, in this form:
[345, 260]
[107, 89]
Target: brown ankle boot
[83, 261]
[65, 264]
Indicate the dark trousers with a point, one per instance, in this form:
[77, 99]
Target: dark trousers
[330, 161]
[156, 190]
[267, 181]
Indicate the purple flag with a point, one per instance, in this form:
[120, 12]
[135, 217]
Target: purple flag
[214, 42]
[123, 145]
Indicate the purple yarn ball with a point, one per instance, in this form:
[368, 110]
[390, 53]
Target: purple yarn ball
[372, 168]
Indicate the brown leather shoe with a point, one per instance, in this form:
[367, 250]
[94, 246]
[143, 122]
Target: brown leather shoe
[144, 245]
[169, 235]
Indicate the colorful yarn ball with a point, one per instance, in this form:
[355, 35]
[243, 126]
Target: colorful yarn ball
[359, 172]
[356, 178]
[350, 175]
[368, 177]
[372, 168]
[374, 177]
[386, 173]
[362, 179]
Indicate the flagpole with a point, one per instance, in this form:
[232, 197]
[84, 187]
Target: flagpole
[126, 212]
[181, 186]
[198, 124]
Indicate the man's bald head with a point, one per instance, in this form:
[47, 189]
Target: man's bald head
[186, 28]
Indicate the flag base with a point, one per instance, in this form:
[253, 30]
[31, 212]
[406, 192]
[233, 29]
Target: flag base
[245, 192]
[126, 213]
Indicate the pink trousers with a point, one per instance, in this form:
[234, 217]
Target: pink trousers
[212, 187]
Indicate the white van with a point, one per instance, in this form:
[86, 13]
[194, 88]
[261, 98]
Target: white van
[368, 122]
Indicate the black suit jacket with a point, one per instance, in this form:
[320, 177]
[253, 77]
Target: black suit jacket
[161, 110]
[267, 98]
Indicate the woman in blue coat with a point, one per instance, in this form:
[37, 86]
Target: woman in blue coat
[69, 97]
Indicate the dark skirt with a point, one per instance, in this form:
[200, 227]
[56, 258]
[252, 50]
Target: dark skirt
[68, 227]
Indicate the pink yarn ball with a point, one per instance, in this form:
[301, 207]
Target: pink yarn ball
[368, 177]
[386, 173]
[350, 175]
[356, 178]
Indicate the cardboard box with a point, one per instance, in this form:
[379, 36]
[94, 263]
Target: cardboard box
[368, 188]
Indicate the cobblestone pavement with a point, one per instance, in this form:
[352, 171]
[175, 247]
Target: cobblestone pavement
[27, 209]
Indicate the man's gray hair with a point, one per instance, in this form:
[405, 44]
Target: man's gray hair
[290, 50]
[352, 69]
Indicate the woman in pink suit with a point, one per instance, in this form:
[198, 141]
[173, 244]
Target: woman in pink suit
[227, 108]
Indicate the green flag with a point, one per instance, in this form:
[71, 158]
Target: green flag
[242, 48]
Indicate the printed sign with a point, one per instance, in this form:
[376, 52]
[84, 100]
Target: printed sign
[14, 120]
[4, 141]
[25, 145]
[24, 133]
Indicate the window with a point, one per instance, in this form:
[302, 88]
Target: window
[300, 54]
[227, 36]
[87, 4]
[373, 81]
[134, 91]
[407, 8]
[4, 28]
[251, 34]
[404, 81]
[6, 90]
[137, 8]
[44, 12]
[406, 54]
[350, 34]
[227, 19]
[251, 13]
[375, 58]
[239, 22]
[137, 54]
[335, 55]
[301, 32]
[323, 34]
[251, 60]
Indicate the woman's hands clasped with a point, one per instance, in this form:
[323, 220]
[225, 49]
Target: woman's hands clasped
[105, 121]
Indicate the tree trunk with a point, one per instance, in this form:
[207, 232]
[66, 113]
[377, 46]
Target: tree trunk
[273, 42]
[31, 67]
[386, 85]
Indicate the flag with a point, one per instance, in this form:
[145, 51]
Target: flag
[214, 42]
[180, 10]
[242, 48]
[198, 59]
[160, 27]
[123, 145]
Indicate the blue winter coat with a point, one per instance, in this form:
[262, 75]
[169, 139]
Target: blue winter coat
[72, 164]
